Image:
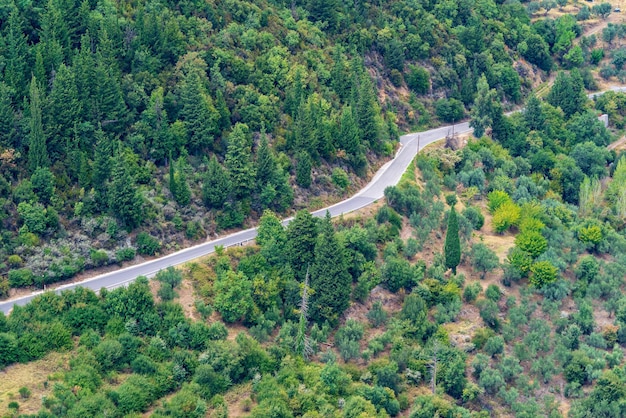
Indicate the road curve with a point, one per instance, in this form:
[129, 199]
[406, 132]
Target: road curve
[388, 175]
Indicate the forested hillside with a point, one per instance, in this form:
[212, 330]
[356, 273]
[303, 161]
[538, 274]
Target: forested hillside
[490, 282]
[137, 127]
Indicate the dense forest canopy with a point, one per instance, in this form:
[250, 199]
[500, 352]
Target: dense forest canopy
[136, 127]
[490, 281]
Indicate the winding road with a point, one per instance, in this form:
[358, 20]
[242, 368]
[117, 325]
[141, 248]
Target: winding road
[388, 175]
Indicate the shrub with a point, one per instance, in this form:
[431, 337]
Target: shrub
[471, 292]
[347, 339]
[531, 242]
[377, 315]
[24, 392]
[481, 336]
[125, 254]
[506, 216]
[146, 244]
[493, 292]
[494, 345]
[98, 257]
[483, 259]
[21, 277]
[474, 216]
[543, 273]
[15, 261]
[340, 178]
[497, 198]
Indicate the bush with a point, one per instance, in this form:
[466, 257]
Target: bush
[15, 261]
[475, 217]
[496, 199]
[377, 315]
[483, 259]
[24, 392]
[531, 242]
[543, 273]
[125, 254]
[494, 345]
[493, 292]
[21, 277]
[347, 339]
[506, 216]
[146, 244]
[340, 178]
[471, 292]
[98, 257]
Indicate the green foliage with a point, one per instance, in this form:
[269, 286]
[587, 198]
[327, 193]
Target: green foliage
[452, 247]
[496, 199]
[506, 216]
[233, 298]
[483, 259]
[543, 272]
[147, 244]
[531, 242]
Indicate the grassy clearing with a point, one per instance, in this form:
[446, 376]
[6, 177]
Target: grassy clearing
[36, 376]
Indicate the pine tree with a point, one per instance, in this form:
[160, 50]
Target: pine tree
[198, 113]
[14, 55]
[452, 248]
[101, 170]
[84, 71]
[183, 192]
[368, 111]
[330, 278]
[301, 239]
[155, 121]
[63, 112]
[216, 185]
[239, 162]
[223, 122]
[303, 170]
[172, 182]
[303, 345]
[124, 197]
[37, 150]
[351, 141]
[265, 163]
[7, 118]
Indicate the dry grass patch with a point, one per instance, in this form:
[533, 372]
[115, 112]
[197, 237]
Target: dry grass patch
[35, 376]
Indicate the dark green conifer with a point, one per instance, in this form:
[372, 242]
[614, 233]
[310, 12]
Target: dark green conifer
[124, 197]
[301, 239]
[330, 278]
[239, 162]
[303, 170]
[216, 185]
[452, 248]
[37, 149]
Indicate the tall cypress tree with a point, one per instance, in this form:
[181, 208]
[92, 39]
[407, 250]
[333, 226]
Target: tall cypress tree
[37, 150]
[330, 277]
[452, 248]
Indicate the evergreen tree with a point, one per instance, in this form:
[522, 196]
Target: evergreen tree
[15, 55]
[368, 112]
[124, 197]
[7, 118]
[533, 114]
[200, 116]
[216, 185]
[223, 122]
[155, 123]
[84, 71]
[239, 162]
[183, 192]
[172, 182]
[301, 239]
[63, 112]
[483, 111]
[265, 163]
[37, 150]
[452, 248]
[330, 278]
[351, 141]
[101, 170]
[568, 93]
[303, 170]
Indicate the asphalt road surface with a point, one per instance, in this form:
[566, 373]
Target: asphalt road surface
[388, 175]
